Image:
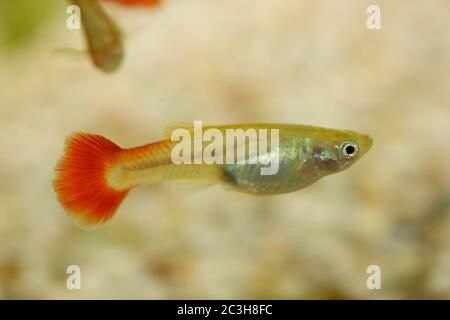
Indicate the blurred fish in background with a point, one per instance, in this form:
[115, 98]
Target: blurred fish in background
[20, 20]
[103, 37]
[234, 61]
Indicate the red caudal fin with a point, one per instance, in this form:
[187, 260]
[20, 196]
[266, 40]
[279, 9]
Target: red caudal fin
[137, 2]
[82, 182]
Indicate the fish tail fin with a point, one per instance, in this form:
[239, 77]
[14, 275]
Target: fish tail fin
[83, 179]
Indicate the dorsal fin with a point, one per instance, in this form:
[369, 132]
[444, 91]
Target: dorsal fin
[167, 131]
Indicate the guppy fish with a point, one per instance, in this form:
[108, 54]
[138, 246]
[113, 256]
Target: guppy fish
[103, 38]
[94, 175]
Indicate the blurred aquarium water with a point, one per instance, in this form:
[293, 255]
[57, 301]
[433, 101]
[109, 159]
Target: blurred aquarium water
[20, 20]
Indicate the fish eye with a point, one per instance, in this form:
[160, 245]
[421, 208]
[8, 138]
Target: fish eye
[349, 149]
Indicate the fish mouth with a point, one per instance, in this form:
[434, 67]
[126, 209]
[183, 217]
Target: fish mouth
[365, 143]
